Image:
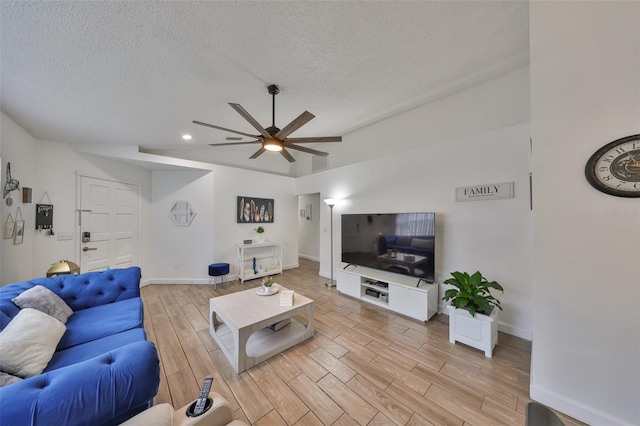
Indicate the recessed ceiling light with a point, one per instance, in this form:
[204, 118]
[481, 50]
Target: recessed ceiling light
[187, 137]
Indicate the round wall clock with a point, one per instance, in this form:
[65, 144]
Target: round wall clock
[615, 168]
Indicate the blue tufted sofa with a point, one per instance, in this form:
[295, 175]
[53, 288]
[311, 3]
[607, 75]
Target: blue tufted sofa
[104, 370]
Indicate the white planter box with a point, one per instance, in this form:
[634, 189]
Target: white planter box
[480, 332]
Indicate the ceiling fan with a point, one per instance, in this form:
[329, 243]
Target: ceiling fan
[273, 138]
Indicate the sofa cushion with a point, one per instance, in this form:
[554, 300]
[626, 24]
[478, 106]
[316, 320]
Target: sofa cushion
[28, 342]
[100, 321]
[88, 350]
[422, 243]
[43, 299]
[8, 379]
[107, 389]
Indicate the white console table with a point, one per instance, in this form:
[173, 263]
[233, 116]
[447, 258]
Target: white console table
[401, 294]
[268, 260]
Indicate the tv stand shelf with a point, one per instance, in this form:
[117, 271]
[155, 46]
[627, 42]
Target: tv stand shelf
[402, 294]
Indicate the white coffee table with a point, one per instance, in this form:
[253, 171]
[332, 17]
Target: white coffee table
[238, 323]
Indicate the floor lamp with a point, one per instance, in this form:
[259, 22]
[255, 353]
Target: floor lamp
[330, 202]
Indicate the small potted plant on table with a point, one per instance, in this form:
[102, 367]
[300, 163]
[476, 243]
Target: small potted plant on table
[473, 317]
[267, 283]
[260, 232]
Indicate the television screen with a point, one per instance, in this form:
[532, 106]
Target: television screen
[403, 243]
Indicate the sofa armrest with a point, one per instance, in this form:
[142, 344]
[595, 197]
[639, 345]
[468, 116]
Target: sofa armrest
[106, 389]
[219, 414]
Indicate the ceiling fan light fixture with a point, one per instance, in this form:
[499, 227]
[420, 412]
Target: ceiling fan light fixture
[273, 145]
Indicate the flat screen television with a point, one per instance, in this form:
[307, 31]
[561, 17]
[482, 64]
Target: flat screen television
[402, 243]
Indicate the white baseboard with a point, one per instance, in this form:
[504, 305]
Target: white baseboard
[183, 280]
[515, 331]
[505, 328]
[573, 408]
[304, 256]
[230, 277]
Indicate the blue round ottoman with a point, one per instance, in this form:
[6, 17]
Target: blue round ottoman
[217, 270]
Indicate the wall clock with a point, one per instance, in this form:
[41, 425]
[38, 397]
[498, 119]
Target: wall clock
[615, 168]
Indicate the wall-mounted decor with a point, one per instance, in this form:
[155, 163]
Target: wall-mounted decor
[26, 195]
[18, 228]
[182, 213]
[10, 184]
[489, 191]
[44, 216]
[8, 227]
[615, 168]
[254, 210]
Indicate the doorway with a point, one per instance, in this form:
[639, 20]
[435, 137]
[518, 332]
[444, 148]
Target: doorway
[309, 226]
[108, 224]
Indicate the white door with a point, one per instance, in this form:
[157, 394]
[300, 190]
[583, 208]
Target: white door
[109, 214]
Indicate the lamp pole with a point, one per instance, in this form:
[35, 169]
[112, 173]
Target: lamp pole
[331, 203]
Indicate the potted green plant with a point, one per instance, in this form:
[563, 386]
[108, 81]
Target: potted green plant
[260, 231]
[473, 317]
[267, 283]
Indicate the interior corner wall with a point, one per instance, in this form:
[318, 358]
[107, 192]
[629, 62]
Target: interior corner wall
[18, 148]
[492, 236]
[180, 254]
[309, 227]
[585, 92]
[52, 166]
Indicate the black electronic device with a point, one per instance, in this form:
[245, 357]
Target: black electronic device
[371, 292]
[203, 403]
[403, 243]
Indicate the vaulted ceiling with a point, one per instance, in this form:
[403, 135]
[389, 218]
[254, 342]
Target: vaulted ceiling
[139, 72]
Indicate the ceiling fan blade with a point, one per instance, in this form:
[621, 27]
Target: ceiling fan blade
[307, 150]
[286, 155]
[250, 119]
[223, 128]
[258, 153]
[315, 140]
[300, 121]
[233, 143]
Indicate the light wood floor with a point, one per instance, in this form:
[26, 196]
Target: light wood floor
[364, 366]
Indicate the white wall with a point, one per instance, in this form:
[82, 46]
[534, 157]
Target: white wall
[229, 183]
[182, 254]
[497, 103]
[309, 227]
[491, 236]
[18, 148]
[51, 166]
[585, 92]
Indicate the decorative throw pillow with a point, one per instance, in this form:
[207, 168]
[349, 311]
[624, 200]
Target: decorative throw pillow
[422, 243]
[28, 342]
[43, 299]
[7, 379]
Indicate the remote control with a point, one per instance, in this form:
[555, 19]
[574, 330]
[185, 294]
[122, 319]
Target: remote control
[202, 398]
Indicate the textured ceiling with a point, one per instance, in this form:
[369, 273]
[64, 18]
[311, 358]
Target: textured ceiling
[137, 73]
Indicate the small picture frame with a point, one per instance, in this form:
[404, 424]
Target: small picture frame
[8, 228]
[18, 234]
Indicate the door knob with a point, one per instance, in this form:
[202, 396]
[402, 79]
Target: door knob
[88, 248]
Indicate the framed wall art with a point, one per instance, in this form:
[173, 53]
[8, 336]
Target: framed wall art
[254, 210]
[18, 234]
[8, 227]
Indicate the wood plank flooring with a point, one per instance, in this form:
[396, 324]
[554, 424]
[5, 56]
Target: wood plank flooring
[364, 366]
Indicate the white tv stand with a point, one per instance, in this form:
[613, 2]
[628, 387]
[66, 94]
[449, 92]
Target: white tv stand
[402, 294]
